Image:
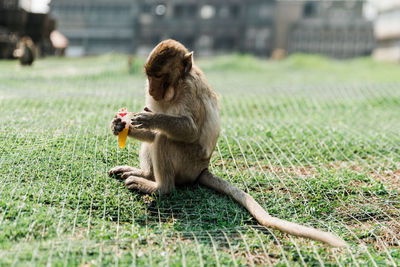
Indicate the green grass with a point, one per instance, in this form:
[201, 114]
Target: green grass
[315, 141]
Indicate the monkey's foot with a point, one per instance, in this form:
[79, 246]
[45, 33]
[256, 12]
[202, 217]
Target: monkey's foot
[120, 170]
[141, 184]
[138, 173]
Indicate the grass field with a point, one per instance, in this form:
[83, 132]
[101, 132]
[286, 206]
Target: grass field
[315, 141]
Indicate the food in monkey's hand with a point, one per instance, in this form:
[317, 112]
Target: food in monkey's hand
[125, 116]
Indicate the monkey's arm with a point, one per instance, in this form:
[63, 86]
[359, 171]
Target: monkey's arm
[143, 135]
[179, 128]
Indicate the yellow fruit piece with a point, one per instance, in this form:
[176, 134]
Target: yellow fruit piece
[122, 137]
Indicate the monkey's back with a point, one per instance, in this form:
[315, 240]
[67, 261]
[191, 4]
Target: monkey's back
[205, 111]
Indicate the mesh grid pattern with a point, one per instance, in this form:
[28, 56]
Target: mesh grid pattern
[325, 155]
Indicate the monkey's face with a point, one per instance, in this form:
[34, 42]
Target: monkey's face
[158, 85]
[168, 62]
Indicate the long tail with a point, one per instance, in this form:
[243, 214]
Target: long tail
[210, 180]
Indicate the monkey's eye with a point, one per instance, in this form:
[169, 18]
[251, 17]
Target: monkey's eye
[157, 76]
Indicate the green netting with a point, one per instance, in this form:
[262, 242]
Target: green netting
[309, 150]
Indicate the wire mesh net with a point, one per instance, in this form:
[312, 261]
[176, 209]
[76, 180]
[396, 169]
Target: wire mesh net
[323, 155]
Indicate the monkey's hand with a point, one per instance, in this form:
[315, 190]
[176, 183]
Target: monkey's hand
[117, 125]
[144, 120]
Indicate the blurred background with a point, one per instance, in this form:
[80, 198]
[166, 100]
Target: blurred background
[265, 28]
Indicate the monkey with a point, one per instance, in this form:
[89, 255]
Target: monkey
[25, 51]
[179, 129]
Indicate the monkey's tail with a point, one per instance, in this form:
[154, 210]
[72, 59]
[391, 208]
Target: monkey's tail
[214, 182]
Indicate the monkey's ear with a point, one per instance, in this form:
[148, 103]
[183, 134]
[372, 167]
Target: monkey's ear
[188, 62]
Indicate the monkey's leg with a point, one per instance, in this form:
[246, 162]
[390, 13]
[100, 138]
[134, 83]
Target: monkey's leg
[146, 164]
[162, 156]
[157, 158]
[163, 175]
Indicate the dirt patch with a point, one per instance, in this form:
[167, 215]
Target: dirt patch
[391, 177]
[380, 234]
[300, 171]
[388, 177]
[257, 257]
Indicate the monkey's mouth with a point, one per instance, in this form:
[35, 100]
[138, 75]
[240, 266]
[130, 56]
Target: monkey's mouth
[158, 96]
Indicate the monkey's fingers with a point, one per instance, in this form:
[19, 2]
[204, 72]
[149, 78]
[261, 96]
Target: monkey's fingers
[135, 121]
[118, 125]
[139, 122]
[128, 174]
[139, 126]
[118, 170]
[116, 119]
[143, 115]
[118, 128]
[143, 119]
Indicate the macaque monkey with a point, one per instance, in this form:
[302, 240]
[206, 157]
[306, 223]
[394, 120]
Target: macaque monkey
[179, 129]
[25, 51]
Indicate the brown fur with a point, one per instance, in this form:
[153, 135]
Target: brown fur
[179, 131]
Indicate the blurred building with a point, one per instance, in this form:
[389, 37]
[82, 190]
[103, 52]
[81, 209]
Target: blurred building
[387, 32]
[258, 31]
[333, 28]
[97, 26]
[208, 27]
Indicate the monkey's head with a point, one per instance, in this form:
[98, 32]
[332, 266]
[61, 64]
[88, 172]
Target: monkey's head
[169, 62]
